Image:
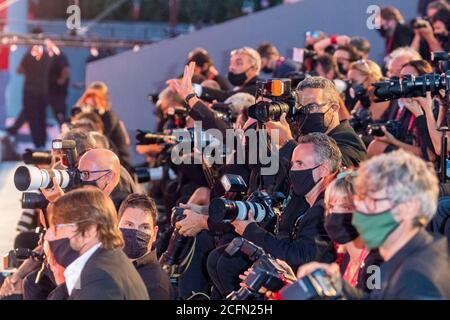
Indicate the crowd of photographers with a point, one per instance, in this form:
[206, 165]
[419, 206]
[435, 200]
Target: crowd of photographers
[357, 207]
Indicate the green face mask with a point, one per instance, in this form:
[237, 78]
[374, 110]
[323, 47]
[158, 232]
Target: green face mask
[374, 228]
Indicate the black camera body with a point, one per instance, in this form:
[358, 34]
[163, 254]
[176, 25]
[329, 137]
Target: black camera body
[419, 23]
[392, 126]
[31, 157]
[315, 286]
[173, 260]
[33, 200]
[283, 100]
[266, 271]
[224, 112]
[417, 86]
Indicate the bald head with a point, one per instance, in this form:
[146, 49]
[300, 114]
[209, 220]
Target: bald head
[107, 163]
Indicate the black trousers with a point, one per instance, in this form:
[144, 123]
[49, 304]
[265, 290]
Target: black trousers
[224, 270]
[196, 278]
[33, 112]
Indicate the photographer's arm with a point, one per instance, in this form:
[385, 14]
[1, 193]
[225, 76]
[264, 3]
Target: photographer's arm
[320, 46]
[427, 106]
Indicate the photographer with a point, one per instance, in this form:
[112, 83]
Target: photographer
[393, 28]
[137, 222]
[320, 103]
[326, 67]
[362, 74]
[100, 168]
[299, 234]
[413, 120]
[96, 96]
[85, 221]
[432, 35]
[396, 196]
[204, 66]
[245, 65]
[273, 63]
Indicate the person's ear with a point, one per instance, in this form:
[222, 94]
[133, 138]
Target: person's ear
[408, 211]
[335, 107]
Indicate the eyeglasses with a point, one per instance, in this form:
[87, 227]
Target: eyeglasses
[71, 224]
[312, 107]
[369, 202]
[85, 175]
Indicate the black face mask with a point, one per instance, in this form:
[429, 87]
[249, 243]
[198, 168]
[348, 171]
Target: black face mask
[62, 252]
[237, 79]
[267, 70]
[302, 181]
[441, 37]
[339, 227]
[136, 242]
[313, 122]
[383, 32]
[342, 69]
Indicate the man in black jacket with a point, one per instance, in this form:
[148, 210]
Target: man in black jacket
[137, 223]
[83, 225]
[319, 105]
[396, 196]
[243, 74]
[299, 235]
[393, 28]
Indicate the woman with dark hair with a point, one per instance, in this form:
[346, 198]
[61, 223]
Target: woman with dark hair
[415, 137]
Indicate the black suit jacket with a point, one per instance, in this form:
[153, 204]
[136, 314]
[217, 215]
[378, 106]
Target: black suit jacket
[109, 275]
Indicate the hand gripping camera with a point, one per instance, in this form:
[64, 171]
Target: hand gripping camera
[266, 271]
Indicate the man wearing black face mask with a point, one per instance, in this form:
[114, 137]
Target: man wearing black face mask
[319, 107]
[137, 223]
[392, 28]
[243, 74]
[299, 236]
[273, 63]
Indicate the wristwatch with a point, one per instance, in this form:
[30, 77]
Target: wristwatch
[189, 97]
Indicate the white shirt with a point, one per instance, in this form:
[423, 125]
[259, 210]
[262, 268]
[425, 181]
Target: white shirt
[73, 271]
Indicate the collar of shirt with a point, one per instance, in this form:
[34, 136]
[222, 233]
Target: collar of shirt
[73, 270]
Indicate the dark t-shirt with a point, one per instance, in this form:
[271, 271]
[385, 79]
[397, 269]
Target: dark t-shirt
[36, 72]
[56, 66]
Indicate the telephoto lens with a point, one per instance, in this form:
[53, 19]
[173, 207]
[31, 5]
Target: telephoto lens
[264, 111]
[33, 200]
[223, 210]
[28, 178]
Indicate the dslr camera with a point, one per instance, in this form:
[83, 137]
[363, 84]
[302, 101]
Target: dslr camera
[266, 271]
[315, 286]
[417, 86]
[30, 178]
[175, 259]
[283, 100]
[392, 126]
